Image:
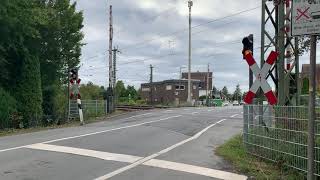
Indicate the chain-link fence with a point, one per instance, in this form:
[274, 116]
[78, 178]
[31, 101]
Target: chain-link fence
[280, 134]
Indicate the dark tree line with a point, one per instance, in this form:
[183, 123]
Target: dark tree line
[39, 41]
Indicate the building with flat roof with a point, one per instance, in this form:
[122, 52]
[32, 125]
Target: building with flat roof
[203, 78]
[169, 91]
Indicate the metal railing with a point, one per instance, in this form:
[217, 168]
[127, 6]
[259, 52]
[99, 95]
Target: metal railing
[279, 134]
[91, 108]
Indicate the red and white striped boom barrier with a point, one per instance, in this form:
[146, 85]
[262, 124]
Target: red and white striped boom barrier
[261, 75]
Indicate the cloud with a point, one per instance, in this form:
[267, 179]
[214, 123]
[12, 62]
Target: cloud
[144, 28]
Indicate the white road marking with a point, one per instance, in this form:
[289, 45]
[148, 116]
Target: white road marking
[94, 133]
[195, 113]
[234, 115]
[132, 159]
[121, 170]
[194, 170]
[168, 110]
[137, 116]
[85, 152]
[186, 109]
[210, 110]
[11, 149]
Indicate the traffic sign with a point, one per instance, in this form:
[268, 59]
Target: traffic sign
[305, 18]
[261, 75]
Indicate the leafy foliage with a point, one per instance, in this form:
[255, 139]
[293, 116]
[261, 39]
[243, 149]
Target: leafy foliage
[39, 41]
[120, 89]
[237, 95]
[7, 108]
[225, 92]
[304, 44]
[91, 91]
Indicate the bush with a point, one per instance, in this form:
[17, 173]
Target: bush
[8, 108]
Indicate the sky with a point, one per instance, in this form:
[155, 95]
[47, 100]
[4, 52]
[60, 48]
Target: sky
[156, 32]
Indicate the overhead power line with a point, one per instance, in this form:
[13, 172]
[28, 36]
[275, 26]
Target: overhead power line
[153, 18]
[186, 29]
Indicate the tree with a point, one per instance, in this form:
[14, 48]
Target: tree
[120, 89]
[91, 92]
[132, 92]
[20, 20]
[215, 90]
[60, 47]
[237, 94]
[38, 36]
[225, 92]
[304, 44]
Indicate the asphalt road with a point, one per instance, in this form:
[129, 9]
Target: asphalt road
[168, 144]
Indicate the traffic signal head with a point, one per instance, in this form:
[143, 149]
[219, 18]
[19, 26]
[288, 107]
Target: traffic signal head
[247, 45]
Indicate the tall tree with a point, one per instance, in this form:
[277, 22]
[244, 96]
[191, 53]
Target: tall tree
[132, 92]
[21, 19]
[91, 92]
[120, 89]
[237, 94]
[215, 90]
[225, 92]
[61, 47]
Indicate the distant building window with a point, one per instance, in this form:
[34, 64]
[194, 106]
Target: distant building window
[145, 89]
[168, 87]
[194, 87]
[180, 87]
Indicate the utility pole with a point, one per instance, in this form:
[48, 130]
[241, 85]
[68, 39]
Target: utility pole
[110, 98]
[110, 48]
[207, 90]
[151, 84]
[190, 4]
[312, 97]
[114, 66]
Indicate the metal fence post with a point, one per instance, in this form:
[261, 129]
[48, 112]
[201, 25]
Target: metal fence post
[311, 122]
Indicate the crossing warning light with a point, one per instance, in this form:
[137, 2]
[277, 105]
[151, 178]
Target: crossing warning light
[247, 45]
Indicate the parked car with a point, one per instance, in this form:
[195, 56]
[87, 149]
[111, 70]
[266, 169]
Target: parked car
[235, 103]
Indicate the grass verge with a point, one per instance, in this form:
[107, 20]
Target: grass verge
[255, 168]
[10, 132]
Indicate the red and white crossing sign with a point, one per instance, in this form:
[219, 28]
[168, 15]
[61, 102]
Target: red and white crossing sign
[75, 89]
[261, 75]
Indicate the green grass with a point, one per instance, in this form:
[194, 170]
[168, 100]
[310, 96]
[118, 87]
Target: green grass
[255, 168]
